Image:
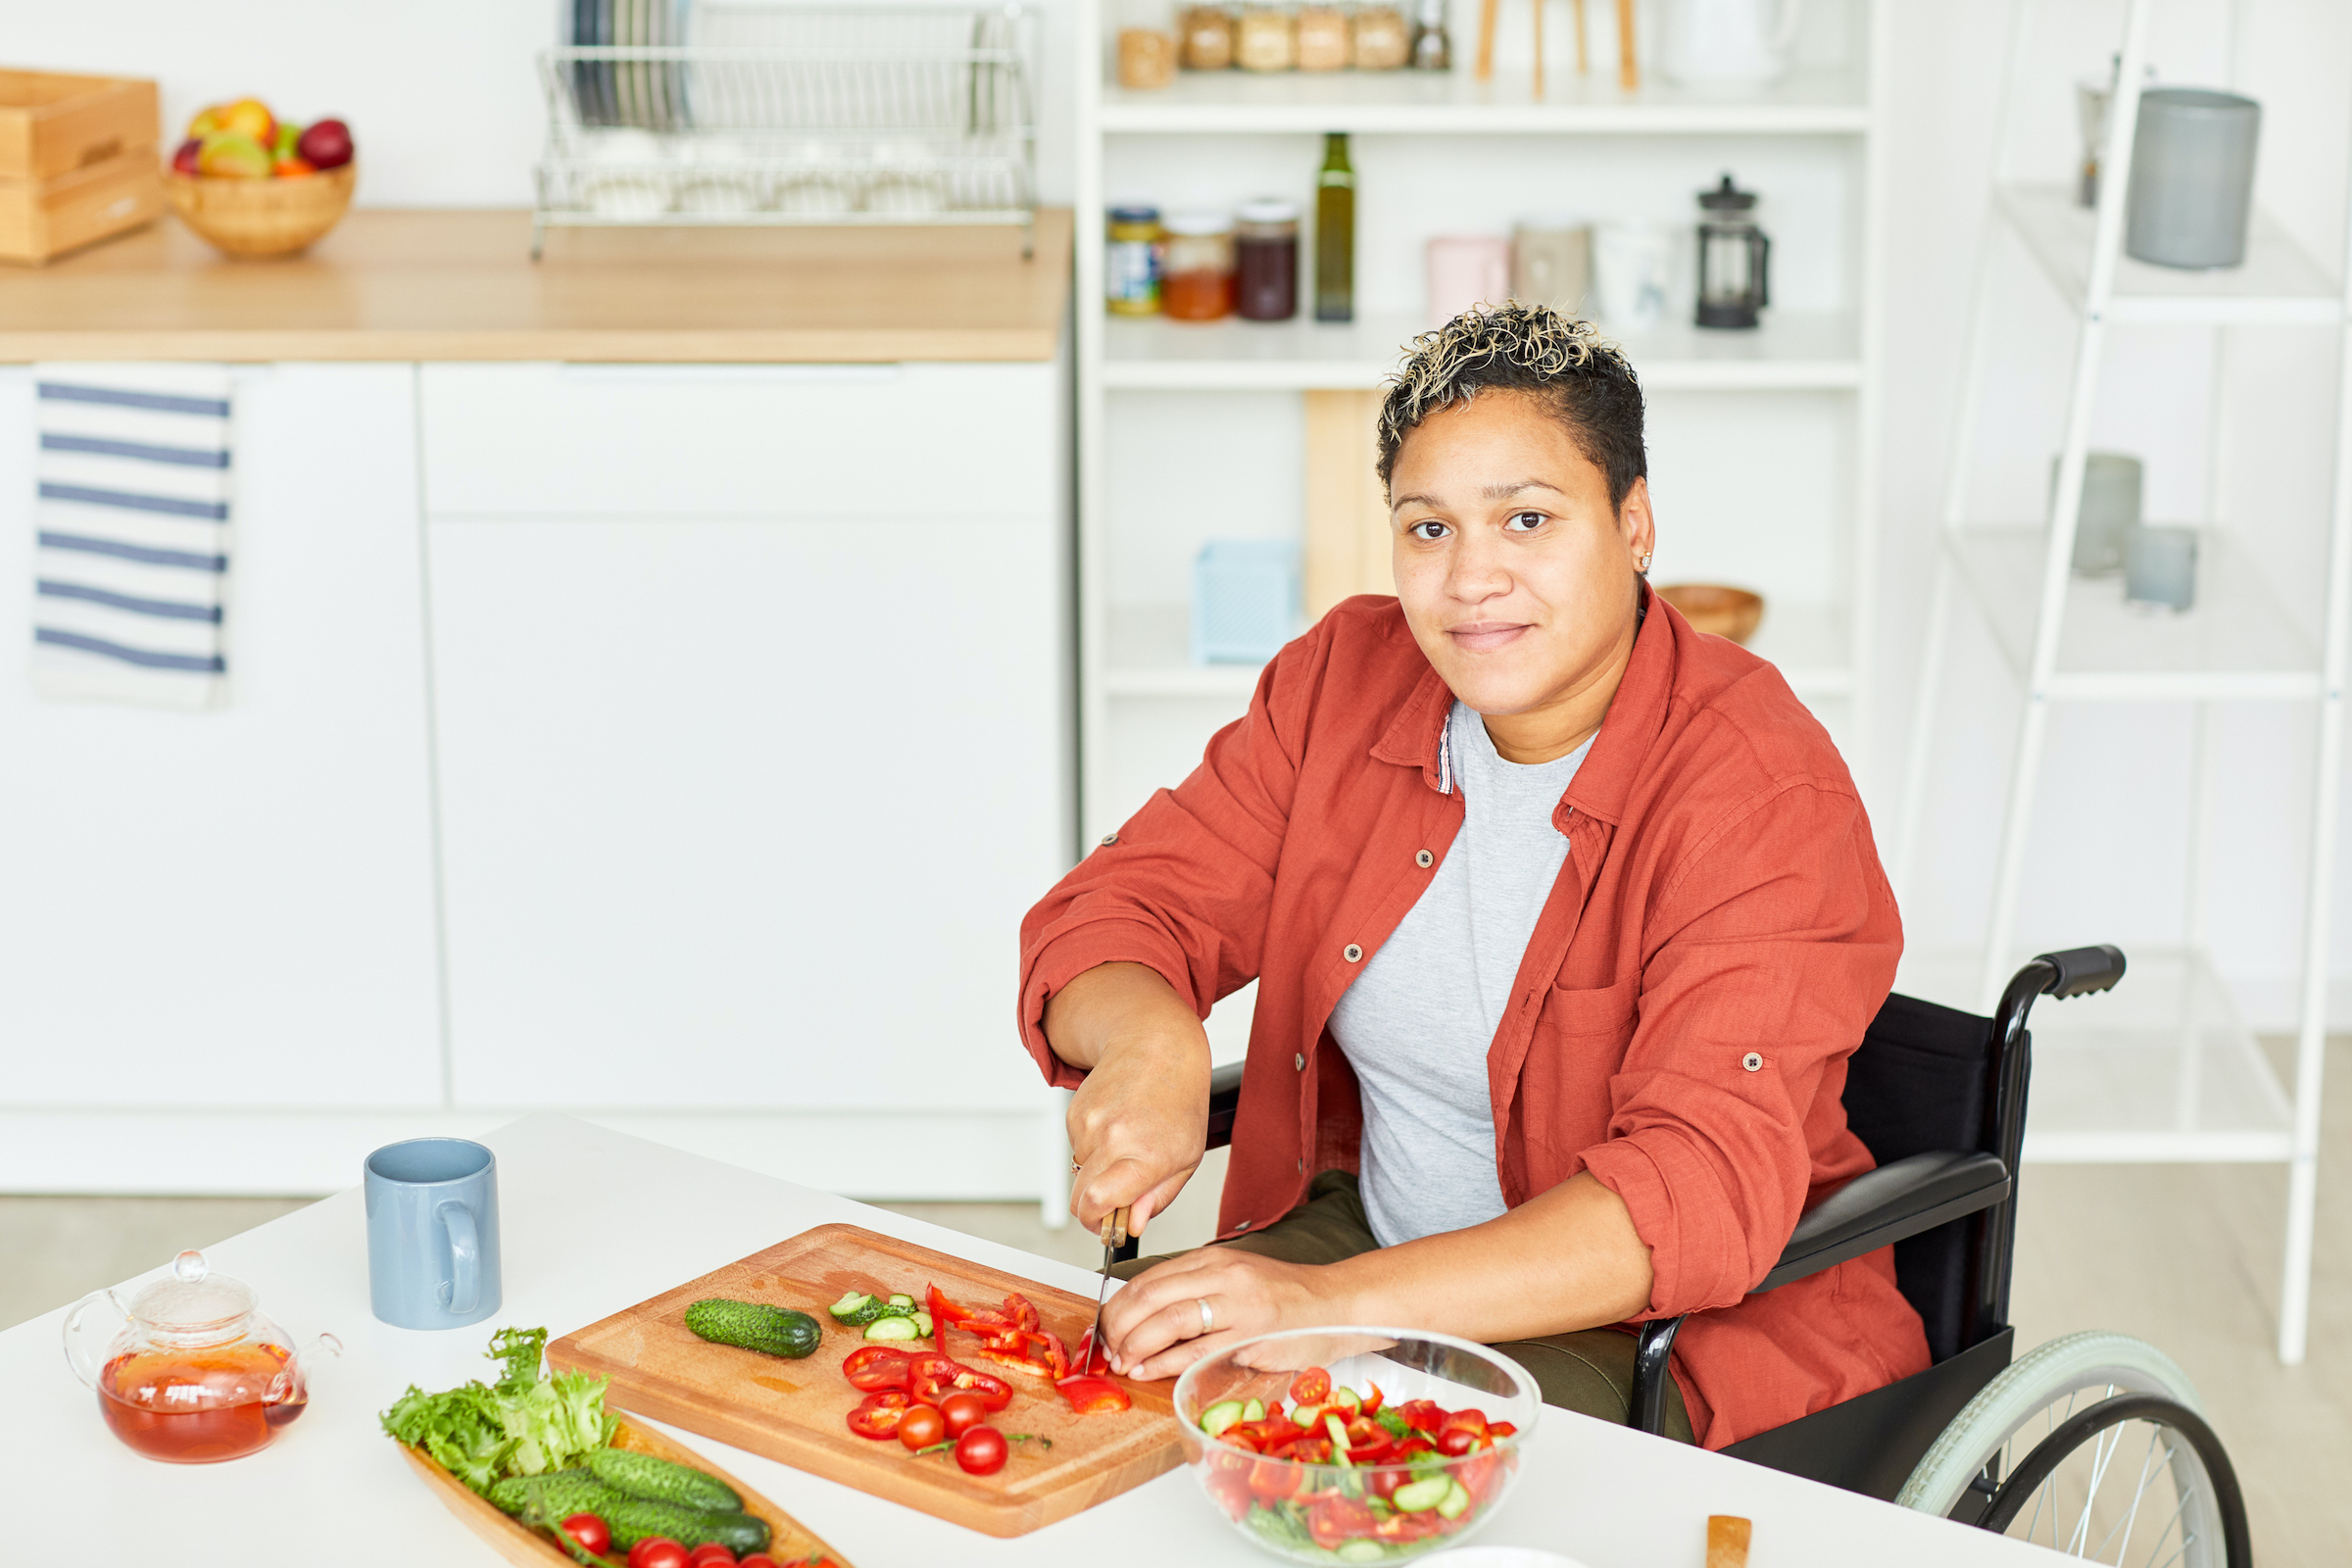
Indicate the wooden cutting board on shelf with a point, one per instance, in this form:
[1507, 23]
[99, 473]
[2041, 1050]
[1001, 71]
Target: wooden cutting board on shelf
[794, 1411]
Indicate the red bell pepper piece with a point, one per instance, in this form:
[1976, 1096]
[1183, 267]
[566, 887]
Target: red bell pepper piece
[1411, 1449]
[1368, 1441]
[1422, 1415]
[1310, 1387]
[1265, 1436]
[1474, 1420]
[1501, 1429]
[1023, 1315]
[1335, 1518]
[879, 1414]
[932, 1385]
[1373, 1401]
[875, 1366]
[1305, 1450]
[1092, 1395]
[1271, 1480]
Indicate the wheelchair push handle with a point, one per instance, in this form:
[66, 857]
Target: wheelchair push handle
[2081, 971]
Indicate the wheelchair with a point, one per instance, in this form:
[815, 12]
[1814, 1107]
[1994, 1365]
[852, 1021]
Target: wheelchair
[2045, 1448]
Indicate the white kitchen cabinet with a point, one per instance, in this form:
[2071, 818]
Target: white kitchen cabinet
[234, 908]
[754, 738]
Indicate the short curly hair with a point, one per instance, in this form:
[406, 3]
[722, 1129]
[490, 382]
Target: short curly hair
[1580, 376]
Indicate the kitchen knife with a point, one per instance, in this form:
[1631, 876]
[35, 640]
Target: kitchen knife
[1114, 1237]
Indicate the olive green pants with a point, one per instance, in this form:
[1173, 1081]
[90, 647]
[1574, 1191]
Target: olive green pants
[1591, 1371]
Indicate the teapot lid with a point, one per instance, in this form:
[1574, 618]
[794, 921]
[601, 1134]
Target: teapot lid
[1727, 198]
[192, 1297]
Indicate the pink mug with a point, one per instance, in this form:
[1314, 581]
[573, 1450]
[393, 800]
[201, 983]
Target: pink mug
[1466, 269]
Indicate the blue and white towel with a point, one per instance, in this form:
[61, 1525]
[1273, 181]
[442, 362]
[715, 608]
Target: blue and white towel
[131, 573]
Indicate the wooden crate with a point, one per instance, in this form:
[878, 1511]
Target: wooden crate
[77, 160]
[46, 217]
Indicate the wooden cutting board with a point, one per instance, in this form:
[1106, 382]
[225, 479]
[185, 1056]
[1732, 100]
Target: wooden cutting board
[525, 1547]
[794, 1411]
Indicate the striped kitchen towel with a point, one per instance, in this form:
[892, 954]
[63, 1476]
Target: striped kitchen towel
[132, 510]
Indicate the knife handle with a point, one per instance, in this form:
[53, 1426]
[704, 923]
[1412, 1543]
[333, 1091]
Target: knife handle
[1115, 1226]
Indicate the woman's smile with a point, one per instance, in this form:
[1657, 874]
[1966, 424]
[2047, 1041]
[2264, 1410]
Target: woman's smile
[1485, 636]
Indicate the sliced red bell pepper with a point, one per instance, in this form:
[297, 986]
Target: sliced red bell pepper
[1368, 1441]
[1021, 1313]
[1372, 1402]
[1411, 1449]
[1422, 1415]
[1093, 1396]
[1335, 1518]
[875, 1366]
[1305, 1450]
[932, 1385]
[1265, 1436]
[1310, 1387]
[879, 1414]
[1501, 1429]
[1474, 1420]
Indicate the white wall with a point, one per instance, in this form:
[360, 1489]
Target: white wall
[441, 94]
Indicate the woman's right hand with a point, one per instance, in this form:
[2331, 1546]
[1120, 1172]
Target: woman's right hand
[1139, 1125]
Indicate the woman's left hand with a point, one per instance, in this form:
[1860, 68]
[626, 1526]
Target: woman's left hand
[1153, 1327]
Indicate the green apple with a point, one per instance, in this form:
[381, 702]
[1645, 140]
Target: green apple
[230, 155]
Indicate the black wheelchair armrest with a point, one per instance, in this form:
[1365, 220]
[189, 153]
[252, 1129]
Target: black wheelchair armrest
[1224, 1101]
[1884, 1205]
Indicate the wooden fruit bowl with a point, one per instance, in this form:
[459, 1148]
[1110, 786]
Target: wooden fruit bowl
[525, 1547]
[262, 217]
[1732, 613]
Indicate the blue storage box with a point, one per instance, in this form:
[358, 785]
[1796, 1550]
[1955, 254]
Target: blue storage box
[1246, 600]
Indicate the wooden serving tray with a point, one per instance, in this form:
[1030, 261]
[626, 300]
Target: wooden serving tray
[525, 1547]
[793, 1411]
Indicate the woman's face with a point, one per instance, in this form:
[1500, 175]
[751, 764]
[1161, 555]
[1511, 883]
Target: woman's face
[1516, 574]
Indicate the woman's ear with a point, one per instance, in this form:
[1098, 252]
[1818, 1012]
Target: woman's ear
[1636, 527]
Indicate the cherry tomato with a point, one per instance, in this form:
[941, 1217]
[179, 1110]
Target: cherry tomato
[757, 1559]
[657, 1551]
[1454, 1442]
[1310, 1387]
[963, 1411]
[712, 1555]
[592, 1533]
[922, 1426]
[880, 1413]
[981, 1452]
[1421, 1415]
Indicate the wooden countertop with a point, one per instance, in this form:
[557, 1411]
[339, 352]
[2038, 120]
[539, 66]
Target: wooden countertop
[409, 284]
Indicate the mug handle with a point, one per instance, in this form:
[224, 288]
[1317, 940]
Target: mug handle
[465, 1291]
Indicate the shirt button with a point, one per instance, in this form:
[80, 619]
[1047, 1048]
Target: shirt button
[1298, 1063]
[1424, 860]
[1752, 1063]
[1110, 837]
[1353, 953]
[1301, 1163]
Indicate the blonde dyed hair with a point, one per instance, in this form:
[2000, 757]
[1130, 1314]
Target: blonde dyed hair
[1560, 360]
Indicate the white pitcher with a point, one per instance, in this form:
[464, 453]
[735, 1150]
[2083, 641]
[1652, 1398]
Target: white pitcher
[1726, 43]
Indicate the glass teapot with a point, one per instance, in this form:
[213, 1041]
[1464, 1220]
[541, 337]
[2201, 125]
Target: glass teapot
[194, 1373]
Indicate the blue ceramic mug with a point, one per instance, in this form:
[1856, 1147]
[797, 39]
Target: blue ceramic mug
[433, 1232]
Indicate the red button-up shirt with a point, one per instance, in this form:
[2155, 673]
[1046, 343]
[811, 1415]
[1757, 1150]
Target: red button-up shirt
[1717, 942]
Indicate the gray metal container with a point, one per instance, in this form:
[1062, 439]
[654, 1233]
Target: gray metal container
[2192, 177]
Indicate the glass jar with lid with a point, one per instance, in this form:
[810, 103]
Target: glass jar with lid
[1196, 281]
[1266, 40]
[1205, 38]
[1147, 44]
[1384, 40]
[1131, 259]
[1323, 41]
[1265, 258]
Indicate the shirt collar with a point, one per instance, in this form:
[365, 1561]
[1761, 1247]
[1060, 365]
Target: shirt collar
[1418, 736]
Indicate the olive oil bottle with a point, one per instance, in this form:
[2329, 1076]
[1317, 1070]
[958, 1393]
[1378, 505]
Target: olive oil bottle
[1334, 233]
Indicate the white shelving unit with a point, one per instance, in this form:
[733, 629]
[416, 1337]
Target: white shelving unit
[1587, 147]
[2163, 1071]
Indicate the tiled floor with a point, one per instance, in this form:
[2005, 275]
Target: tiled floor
[2186, 1257]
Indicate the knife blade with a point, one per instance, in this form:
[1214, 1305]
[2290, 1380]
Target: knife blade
[1114, 1237]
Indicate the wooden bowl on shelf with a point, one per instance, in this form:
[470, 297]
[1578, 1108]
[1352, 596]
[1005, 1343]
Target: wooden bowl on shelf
[1732, 613]
[271, 217]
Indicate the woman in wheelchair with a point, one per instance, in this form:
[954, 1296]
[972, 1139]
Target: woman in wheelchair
[1565, 919]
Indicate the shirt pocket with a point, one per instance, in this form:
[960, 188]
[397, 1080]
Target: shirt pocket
[1579, 1044]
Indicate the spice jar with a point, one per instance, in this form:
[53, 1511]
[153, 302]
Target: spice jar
[1264, 40]
[1197, 279]
[1205, 38]
[1383, 40]
[1265, 260]
[1147, 44]
[1322, 39]
[1131, 261]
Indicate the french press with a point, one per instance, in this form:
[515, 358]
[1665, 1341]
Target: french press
[1734, 257]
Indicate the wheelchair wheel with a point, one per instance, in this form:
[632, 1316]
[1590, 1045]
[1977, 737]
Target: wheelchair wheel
[2096, 1444]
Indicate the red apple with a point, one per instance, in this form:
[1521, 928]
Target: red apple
[183, 162]
[327, 144]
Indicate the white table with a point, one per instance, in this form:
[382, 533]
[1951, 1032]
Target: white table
[594, 1221]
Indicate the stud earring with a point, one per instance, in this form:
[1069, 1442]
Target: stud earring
[1643, 564]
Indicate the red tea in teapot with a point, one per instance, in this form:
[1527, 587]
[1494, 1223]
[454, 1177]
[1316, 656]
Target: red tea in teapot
[196, 1406]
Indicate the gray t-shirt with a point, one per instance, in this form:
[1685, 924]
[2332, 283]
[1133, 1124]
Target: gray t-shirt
[1417, 1023]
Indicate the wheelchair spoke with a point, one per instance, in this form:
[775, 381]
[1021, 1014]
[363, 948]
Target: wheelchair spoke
[2131, 1515]
[2102, 1453]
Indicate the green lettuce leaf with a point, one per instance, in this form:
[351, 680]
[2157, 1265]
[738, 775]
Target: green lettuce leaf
[525, 1426]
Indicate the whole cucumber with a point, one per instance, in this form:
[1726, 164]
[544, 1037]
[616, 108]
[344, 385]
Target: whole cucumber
[561, 1493]
[641, 1474]
[633, 1519]
[749, 1325]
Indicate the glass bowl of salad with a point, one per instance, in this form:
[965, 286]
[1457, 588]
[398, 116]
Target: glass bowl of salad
[1355, 1444]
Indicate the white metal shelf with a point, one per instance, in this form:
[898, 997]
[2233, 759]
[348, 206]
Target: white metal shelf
[2278, 284]
[2159, 1069]
[1817, 101]
[1793, 351]
[2239, 642]
[1150, 654]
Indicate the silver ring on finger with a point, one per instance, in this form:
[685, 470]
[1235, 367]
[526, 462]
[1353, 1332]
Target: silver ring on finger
[1208, 1321]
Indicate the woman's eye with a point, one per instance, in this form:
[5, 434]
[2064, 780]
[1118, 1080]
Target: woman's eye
[1428, 528]
[1525, 521]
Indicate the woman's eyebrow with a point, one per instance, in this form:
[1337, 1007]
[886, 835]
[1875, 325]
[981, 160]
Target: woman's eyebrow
[1500, 492]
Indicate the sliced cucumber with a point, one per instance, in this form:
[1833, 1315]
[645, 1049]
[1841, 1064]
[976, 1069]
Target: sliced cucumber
[1255, 1410]
[922, 1321]
[901, 1300]
[1220, 1415]
[848, 1305]
[1458, 1499]
[1427, 1493]
[1339, 1440]
[1309, 1416]
[1362, 1551]
[894, 1328]
[1345, 1399]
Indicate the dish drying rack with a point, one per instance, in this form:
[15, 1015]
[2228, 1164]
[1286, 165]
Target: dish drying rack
[796, 116]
